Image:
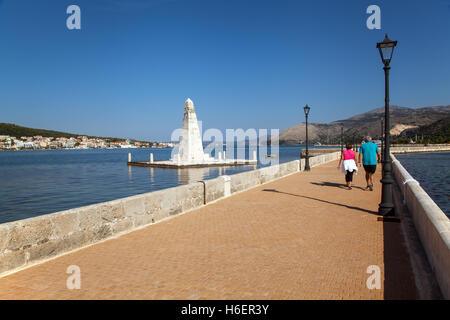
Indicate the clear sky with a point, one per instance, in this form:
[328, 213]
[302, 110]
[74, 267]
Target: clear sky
[244, 63]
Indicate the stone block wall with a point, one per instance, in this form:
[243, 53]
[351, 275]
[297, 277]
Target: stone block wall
[316, 152]
[324, 158]
[25, 241]
[412, 149]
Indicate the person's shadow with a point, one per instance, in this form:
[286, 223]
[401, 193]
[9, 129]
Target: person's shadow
[333, 184]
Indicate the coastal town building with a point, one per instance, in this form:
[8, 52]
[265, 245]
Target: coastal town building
[81, 142]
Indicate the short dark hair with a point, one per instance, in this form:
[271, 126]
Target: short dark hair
[348, 146]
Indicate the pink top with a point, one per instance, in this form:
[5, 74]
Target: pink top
[349, 154]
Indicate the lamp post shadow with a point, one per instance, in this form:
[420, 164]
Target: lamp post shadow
[324, 201]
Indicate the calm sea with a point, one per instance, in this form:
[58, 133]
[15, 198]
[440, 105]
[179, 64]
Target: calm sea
[37, 182]
[432, 171]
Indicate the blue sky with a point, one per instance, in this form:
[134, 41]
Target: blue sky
[244, 63]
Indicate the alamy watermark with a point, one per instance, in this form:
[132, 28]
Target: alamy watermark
[238, 143]
[73, 282]
[74, 20]
[374, 20]
[374, 280]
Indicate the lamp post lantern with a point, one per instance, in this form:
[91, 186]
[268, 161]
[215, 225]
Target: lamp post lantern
[307, 109]
[386, 207]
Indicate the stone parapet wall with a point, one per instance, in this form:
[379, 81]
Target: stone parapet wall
[28, 241]
[432, 225]
[434, 148]
[324, 158]
[316, 152]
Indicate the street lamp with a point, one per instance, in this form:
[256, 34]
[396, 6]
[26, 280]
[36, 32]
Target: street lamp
[382, 138]
[386, 207]
[307, 168]
[342, 138]
[353, 141]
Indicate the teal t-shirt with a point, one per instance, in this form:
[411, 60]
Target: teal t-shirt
[369, 152]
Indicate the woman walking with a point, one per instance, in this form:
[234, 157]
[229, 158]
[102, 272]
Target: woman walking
[348, 164]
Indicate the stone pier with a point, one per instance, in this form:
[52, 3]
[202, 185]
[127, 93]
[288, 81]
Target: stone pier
[303, 236]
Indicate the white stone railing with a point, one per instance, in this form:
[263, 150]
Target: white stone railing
[432, 225]
[416, 149]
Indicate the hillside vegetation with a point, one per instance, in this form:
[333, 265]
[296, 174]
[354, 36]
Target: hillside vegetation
[437, 132]
[14, 130]
[18, 131]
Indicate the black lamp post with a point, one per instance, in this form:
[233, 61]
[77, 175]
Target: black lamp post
[342, 139]
[307, 168]
[386, 207]
[382, 138]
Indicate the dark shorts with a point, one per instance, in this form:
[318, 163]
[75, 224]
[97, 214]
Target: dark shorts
[370, 168]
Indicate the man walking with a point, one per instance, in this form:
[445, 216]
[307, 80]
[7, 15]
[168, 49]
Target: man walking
[370, 153]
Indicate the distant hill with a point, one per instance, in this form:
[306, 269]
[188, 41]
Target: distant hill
[18, 131]
[368, 123]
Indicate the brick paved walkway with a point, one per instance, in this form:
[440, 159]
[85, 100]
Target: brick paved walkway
[300, 237]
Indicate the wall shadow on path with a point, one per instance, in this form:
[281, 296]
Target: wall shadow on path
[399, 283]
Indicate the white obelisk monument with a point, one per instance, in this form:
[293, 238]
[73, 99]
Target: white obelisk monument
[190, 152]
[191, 148]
